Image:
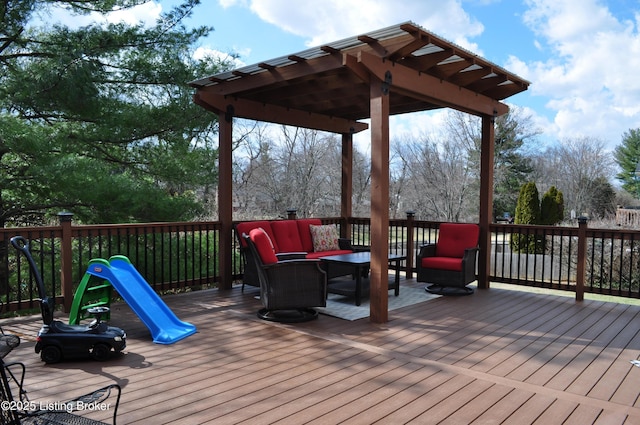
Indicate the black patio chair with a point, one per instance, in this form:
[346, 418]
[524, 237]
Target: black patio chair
[18, 409]
[449, 265]
[289, 289]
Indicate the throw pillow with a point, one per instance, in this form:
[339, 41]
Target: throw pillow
[325, 237]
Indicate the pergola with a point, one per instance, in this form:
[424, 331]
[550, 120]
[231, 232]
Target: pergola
[395, 70]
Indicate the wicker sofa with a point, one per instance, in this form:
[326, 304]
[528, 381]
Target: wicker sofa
[292, 239]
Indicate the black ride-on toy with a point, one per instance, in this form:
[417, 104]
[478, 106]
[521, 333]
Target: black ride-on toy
[57, 340]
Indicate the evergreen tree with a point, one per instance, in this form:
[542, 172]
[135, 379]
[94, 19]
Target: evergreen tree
[513, 135]
[528, 212]
[99, 120]
[552, 207]
[627, 156]
[528, 206]
[511, 165]
[603, 202]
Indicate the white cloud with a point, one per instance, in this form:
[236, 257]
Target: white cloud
[228, 3]
[406, 126]
[206, 52]
[589, 75]
[329, 20]
[146, 14]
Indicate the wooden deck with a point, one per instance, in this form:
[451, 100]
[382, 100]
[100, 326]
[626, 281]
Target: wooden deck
[497, 356]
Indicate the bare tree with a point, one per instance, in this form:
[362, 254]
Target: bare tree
[579, 168]
[361, 179]
[301, 168]
[399, 176]
[437, 178]
[252, 163]
[278, 168]
[515, 133]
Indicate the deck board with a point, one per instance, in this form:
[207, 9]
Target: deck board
[497, 356]
[557, 412]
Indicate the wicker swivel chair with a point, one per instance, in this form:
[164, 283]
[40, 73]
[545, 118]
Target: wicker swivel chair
[450, 264]
[289, 289]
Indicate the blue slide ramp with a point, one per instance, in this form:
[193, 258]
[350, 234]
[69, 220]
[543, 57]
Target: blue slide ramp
[164, 325]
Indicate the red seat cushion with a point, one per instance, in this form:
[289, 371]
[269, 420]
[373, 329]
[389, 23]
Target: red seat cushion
[287, 236]
[264, 246]
[320, 254]
[442, 263]
[454, 238]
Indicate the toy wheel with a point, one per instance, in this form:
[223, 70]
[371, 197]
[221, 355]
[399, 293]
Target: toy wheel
[100, 352]
[51, 354]
[98, 310]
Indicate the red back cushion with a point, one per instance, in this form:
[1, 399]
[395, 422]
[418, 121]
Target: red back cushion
[305, 233]
[454, 238]
[247, 226]
[287, 236]
[264, 246]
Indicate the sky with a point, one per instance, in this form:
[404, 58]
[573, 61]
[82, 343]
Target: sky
[582, 57]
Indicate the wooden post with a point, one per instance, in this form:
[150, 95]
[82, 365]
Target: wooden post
[66, 258]
[410, 244]
[379, 282]
[346, 194]
[225, 198]
[486, 200]
[582, 254]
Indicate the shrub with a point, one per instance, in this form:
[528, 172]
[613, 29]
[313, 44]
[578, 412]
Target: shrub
[552, 207]
[528, 212]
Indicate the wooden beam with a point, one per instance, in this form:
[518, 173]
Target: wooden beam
[374, 44]
[450, 69]
[278, 74]
[465, 78]
[66, 266]
[487, 82]
[487, 152]
[239, 73]
[425, 62]
[330, 50]
[276, 114]
[504, 90]
[346, 193]
[462, 53]
[432, 89]
[225, 199]
[379, 280]
[419, 42]
[313, 94]
[357, 68]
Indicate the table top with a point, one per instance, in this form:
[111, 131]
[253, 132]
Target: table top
[358, 258]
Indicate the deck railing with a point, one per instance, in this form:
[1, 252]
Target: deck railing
[170, 256]
[628, 217]
[183, 256]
